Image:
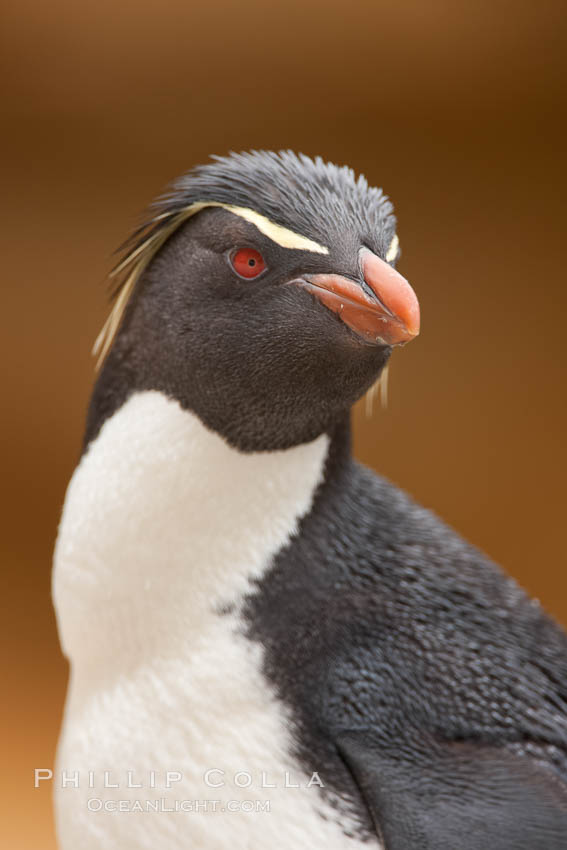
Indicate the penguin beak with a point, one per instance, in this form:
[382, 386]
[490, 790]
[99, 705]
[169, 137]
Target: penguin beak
[381, 307]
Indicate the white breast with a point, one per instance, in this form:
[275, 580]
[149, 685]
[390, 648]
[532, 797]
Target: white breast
[164, 525]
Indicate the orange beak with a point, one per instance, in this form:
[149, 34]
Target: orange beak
[382, 308]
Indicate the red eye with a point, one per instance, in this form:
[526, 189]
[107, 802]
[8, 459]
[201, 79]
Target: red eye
[247, 262]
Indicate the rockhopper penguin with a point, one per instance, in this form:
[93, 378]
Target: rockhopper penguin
[270, 646]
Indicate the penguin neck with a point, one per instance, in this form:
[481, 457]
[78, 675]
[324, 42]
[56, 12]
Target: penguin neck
[127, 371]
[339, 455]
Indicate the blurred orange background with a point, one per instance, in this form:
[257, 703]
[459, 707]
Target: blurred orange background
[453, 108]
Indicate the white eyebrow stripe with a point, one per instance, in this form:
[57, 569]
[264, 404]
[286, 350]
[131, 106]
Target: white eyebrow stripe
[393, 249]
[276, 232]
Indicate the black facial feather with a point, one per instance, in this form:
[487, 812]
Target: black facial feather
[259, 361]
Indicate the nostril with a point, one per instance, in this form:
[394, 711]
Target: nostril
[366, 289]
[374, 296]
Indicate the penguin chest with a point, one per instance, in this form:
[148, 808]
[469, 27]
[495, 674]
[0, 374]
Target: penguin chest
[172, 737]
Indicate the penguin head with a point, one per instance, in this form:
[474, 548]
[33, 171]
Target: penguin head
[262, 296]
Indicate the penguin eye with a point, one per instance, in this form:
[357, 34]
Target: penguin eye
[247, 262]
